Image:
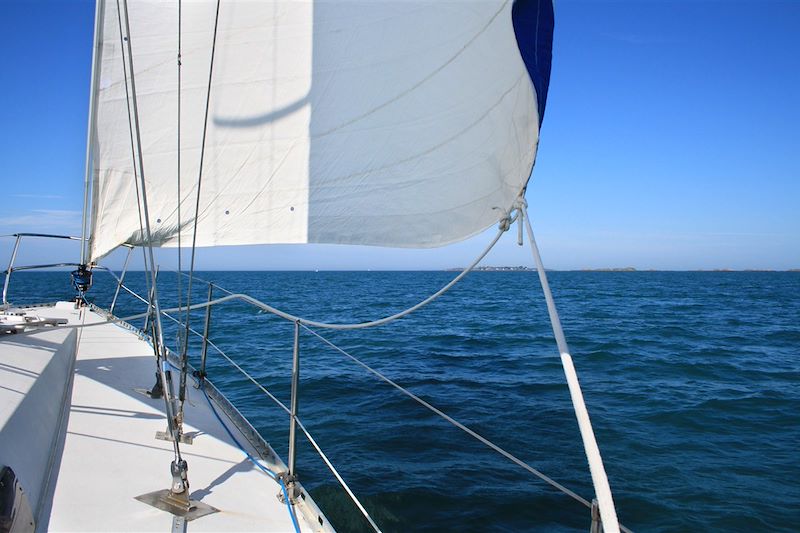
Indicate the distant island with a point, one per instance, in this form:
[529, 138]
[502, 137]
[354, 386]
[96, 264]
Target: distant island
[623, 269]
[495, 269]
[529, 269]
[617, 269]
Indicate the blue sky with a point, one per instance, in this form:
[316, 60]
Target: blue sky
[670, 142]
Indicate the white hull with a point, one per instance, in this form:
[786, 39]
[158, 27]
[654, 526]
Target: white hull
[83, 448]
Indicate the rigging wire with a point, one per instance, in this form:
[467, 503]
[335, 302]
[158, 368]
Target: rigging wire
[255, 462]
[133, 157]
[158, 342]
[504, 225]
[425, 404]
[184, 351]
[455, 422]
[157, 329]
[178, 197]
[305, 431]
[358, 325]
[378, 374]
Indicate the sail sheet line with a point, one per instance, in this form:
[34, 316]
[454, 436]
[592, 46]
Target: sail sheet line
[505, 224]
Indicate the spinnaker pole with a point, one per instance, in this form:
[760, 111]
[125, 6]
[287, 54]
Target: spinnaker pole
[608, 512]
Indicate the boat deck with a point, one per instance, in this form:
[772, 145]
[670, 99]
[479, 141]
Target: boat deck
[110, 452]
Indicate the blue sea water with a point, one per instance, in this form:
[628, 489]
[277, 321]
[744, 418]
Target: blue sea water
[692, 380]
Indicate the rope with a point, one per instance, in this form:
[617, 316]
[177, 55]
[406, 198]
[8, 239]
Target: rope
[308, 436]
[359, 325]
[289, 505]
[304, 321]
[253, 460]
[520, 208]
[504, 226]
[261, 467]
[288, 411]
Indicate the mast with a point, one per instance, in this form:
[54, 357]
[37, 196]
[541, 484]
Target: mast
[90, 129]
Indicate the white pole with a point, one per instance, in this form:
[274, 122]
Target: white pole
[96, 53]
[608, 513]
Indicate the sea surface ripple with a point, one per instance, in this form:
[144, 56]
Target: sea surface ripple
[692, 380]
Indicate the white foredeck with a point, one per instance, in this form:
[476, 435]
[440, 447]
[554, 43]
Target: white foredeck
[110, 453]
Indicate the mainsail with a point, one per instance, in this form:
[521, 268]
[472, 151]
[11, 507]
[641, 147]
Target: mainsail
[408, 124]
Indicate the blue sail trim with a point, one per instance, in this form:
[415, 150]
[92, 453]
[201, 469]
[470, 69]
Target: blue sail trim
[533, 27]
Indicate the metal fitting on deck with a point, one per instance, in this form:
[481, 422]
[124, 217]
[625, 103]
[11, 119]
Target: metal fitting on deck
[290, 482]
[180, 481]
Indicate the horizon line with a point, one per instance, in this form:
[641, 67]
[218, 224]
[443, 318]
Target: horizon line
[456, 269]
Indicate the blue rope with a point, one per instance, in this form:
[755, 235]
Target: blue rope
[289, 505]
[255, 462]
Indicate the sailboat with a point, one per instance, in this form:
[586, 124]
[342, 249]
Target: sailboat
[402, 124]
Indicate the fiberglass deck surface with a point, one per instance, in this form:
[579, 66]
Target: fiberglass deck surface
[110, 453]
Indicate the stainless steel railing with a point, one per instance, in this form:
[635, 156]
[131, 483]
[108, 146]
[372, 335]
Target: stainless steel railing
[292, 410]
[593, 506]
[11, 268]
[295, 422]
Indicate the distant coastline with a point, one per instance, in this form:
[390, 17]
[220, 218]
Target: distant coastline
[616, 269]
[493, 269]
[458, 269]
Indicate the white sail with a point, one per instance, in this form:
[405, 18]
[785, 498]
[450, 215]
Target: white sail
[410, 124]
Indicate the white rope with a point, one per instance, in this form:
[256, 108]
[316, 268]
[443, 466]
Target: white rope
[360, 325]
[504, 224]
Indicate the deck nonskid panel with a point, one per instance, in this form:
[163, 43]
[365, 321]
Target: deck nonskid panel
[108, 453]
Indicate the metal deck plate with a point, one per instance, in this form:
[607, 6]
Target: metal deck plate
[167, 501]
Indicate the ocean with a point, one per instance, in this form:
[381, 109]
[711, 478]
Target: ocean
[692, 381]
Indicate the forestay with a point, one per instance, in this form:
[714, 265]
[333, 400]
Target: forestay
[411, 124]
